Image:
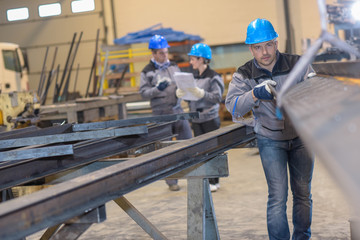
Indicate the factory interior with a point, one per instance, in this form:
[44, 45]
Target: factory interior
[83, 156]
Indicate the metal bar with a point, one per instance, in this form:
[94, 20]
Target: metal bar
[70, 137]
[71, 231]
[195, 220]
[140, 219]
[65, 93]
[42, 77]
[349, 69]
[326, 114]
[103, 74]
[56, 85]
[50, 232]
[20, 218]
[211, 230]
[288, 26]
[216, 167]
[36, 153]
[92, 70]
[118, 81]
[57, 93]
[75, 227]
[33, 131]
[49, 79]
[134, 121]
[8, 134]
[76, 76]
[84, 153]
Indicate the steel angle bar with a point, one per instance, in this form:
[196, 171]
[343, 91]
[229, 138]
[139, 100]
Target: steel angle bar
[84, 153]
[36, 153]
[349, 69]
[9, 134]
[33, 131]
[134, 121]
[70, 137]
[326, 114]
[48, 207]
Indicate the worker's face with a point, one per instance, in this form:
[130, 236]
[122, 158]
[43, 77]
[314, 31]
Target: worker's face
[265, 53]
[196, 62]
[161, 55]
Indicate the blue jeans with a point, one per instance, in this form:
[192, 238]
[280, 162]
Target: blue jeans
[275, 157]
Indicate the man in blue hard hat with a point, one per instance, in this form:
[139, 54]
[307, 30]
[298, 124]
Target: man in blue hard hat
[251, 89]
[209, 90]
[158, 85]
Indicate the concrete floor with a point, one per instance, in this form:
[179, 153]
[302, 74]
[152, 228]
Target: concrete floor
[240, 206]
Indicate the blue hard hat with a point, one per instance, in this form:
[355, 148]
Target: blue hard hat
[260, 30]
[200, 50]
[158, 42]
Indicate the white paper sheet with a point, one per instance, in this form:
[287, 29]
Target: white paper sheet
[184, 81]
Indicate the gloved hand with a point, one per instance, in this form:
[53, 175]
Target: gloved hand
[197, 92]
[262, 91]
[180, 93]
[161, 86]
[162, 83]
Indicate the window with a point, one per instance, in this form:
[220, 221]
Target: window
[82, 6]
[11, 60]
[17, 14]
[48, 10]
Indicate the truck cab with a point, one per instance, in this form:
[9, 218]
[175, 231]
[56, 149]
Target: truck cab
[13, 69]
[19, 107]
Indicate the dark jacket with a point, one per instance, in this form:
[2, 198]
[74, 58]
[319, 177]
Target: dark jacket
[239, 100]
[208, 106]
[162, 102]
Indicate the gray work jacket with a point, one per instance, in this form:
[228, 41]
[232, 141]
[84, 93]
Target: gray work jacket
[208, 106]
[239, 100]
[162, 102]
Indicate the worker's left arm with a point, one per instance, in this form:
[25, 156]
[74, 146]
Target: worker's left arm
[214, 95]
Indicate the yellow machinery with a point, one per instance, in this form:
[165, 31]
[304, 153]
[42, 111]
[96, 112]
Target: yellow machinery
[18, 109]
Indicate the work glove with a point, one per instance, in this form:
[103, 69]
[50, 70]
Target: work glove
[197, 92]
[180, 93]
[162, 83]
[262, 91]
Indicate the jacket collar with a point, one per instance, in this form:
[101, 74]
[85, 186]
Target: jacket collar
[205, 74]
[281, 66]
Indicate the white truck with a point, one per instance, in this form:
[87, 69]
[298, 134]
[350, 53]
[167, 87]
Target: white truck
[18, 106]
[13, 69]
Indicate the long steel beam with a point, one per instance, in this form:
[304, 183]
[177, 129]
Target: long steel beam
[33, 131]
[134, 121]
[326, 114]
[26, 215]
[349, 69]
[84, 153]
[32, 153]
[72, 137]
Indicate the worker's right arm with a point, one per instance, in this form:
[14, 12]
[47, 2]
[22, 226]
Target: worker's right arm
[239, 99]
[147, 87]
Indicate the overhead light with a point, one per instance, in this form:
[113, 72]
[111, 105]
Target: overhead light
[355, 11]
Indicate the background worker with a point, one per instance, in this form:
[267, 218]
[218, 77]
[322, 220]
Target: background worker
[157, 84]
[209, 90]
[279, 145]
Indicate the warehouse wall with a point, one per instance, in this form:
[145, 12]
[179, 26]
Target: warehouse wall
[221, 23]
[36, 34]
[218, 22]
